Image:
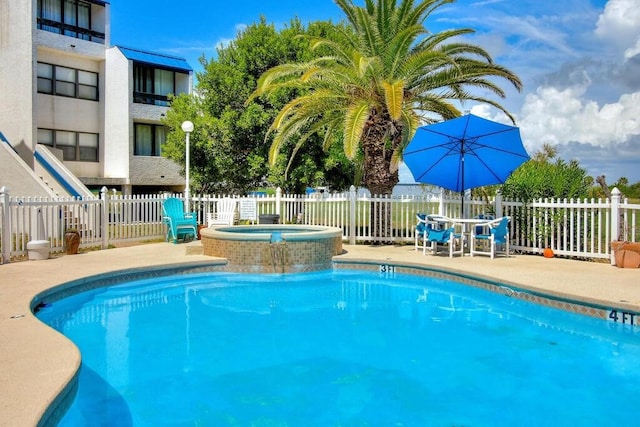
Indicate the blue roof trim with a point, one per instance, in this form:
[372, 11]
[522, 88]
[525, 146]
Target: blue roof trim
[159, 59]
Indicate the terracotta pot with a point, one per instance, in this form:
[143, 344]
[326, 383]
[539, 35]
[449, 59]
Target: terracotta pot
[71, 242]
[627, 246]
[627, 259]
[626, 254]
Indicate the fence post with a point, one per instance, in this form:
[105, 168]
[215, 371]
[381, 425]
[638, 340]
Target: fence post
[498, 205]
[6, 225]
[352, 215]
[278, 199]
[104, 223]
[441, 210]
[615, 221]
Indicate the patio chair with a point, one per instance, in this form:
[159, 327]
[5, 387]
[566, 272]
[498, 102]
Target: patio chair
[446, 236]
[432, 230]
[225, 213]
[179, 224]
[422, 228]
[492, 234]
[425, 223]
[488, 217]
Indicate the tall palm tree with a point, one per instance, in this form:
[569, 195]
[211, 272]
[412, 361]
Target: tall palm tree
[379, 82]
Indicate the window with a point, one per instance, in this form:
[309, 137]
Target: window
[64, 81]
[87, 85]
[75, 146]
[69, 17]
[152, 85]
[148, 139]
[45, 78]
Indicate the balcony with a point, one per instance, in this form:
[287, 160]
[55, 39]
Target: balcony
[150, 99]
[81, 19]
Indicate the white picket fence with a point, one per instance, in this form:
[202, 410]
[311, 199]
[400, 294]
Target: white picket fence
[572, 228]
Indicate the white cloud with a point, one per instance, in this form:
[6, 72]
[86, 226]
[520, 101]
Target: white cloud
[566, 115]
[620, 23]
[632, 51]
[555, 116]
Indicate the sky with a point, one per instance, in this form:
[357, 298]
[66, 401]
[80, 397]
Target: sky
[579, 61]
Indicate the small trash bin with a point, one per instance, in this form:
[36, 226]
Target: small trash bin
[38, 250]
[269, 219]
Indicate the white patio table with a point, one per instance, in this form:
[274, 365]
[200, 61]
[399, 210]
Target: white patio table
[466, 224]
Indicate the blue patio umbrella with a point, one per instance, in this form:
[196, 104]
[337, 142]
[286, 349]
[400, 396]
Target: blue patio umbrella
[464, 153]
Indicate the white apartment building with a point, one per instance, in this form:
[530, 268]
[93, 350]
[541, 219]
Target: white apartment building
[76, 111]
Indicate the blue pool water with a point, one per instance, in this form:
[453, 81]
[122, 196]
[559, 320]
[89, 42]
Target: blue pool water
[340, 348]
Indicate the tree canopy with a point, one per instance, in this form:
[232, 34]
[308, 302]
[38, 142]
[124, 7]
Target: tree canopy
[547, 176]
[229, 149]
[375, 85]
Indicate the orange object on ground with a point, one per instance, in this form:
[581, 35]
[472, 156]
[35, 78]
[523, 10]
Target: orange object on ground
[627, 259]
[548, 253]
[627, 255]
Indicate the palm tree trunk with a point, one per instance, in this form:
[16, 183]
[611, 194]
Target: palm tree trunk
[379, 177]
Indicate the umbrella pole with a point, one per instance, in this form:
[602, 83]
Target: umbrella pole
[462, 187]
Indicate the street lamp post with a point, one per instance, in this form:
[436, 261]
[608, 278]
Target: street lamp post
[187, 128]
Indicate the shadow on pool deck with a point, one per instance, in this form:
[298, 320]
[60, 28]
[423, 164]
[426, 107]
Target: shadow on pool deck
[36, 362]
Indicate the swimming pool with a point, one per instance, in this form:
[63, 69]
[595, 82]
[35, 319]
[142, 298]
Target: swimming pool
[340, 347]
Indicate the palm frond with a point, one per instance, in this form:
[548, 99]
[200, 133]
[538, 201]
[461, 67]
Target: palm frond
[355, 119]
[393, 97]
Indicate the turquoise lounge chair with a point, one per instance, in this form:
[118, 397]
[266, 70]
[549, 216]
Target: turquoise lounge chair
[179, 224]
[497, 234]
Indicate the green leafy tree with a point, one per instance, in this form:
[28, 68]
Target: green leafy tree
[547, 176]
[229, 150]
[632, 191]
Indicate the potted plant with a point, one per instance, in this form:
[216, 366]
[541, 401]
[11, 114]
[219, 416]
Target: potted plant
[71, 241]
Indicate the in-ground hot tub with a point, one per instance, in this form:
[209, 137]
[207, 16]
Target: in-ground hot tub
[273, 248]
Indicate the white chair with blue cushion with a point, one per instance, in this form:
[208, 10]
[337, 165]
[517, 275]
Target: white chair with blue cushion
[421, 231]
[486, 238]
[446, 236]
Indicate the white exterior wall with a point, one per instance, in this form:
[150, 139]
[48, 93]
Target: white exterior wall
[118, 128]
[17, 81]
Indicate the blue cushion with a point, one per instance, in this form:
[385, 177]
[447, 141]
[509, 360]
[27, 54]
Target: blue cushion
[479, 229]
[421, 226]
[440, 235]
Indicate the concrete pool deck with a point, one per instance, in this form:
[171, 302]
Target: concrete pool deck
[36, 362]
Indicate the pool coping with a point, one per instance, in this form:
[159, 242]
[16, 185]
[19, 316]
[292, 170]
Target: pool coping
[32, 375]
[587, 307]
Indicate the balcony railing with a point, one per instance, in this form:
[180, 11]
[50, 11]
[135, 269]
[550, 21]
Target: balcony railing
[70, 30]
[150, 99]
